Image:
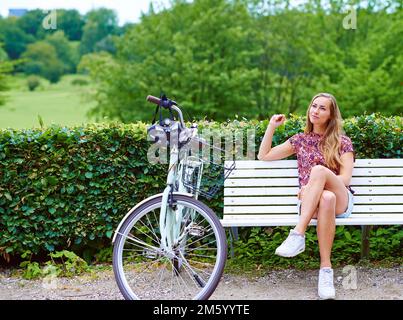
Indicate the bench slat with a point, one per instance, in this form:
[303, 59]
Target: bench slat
[263, 173]
[357, 172]
[386, 181]
[256, 164]
[293, 209]
[292, 219]
[274, 191]
[242, 201]
[292, 182]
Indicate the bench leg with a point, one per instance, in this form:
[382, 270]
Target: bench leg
[233, 236]
[365, 241]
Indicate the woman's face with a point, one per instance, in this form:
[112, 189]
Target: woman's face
[319, 112]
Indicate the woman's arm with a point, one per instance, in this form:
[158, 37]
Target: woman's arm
[279, 152]
[346, 168]
[266, 152]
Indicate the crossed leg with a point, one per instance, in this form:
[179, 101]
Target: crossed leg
[324, 197]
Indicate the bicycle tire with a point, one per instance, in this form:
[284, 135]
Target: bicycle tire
[131, 292]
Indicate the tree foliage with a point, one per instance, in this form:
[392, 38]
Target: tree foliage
[66, 51]
[99, 24]
[254, 58]
[41, 59]
[5, 68]
[71, 23]
[15, 40]
[74, 33]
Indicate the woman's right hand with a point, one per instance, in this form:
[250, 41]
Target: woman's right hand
[277, 120]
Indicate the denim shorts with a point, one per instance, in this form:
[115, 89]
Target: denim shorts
[345, 214]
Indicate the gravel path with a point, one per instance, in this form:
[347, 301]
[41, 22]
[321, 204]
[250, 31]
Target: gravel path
[371, 284]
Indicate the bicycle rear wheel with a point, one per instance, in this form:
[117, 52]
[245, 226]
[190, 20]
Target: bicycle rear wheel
[190, 269]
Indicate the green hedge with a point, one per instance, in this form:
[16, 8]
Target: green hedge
[68, 188]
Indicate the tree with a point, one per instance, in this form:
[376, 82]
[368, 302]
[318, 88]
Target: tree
[65, 51]
[99, 24]
[3, 55]
[5, 68]
[71, 23]
[107, 44]
[31, 23]
[41, 59]
[253, 58]
[15, 40]
[197, 53]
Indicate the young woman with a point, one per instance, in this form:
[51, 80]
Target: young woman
[325, 163]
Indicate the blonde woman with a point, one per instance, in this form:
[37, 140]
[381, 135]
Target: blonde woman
[325, 159]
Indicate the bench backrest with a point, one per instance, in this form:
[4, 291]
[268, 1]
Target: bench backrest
[270, 187]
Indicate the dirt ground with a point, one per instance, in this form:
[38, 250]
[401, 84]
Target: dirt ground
[361, 283]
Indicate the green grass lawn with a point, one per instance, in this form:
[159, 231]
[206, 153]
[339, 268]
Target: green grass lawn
[62, 103]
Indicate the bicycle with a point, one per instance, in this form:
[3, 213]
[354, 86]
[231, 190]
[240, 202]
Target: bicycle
[171, 245]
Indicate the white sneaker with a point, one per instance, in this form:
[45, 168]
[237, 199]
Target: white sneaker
[325, 284]
[293, 245]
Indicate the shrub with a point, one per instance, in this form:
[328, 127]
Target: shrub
[63, 263]
[33, 82]
[256, 246]
[79, 82]
[68, 188]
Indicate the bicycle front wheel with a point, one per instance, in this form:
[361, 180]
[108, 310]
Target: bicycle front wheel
[190, 268]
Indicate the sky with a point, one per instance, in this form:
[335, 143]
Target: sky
[127, 10]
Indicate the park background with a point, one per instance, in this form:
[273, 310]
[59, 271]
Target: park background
[231, 63]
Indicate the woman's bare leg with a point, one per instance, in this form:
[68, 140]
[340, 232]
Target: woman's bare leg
[326, 226]
[321, 178]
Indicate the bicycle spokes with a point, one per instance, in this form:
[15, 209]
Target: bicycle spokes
[182, 269]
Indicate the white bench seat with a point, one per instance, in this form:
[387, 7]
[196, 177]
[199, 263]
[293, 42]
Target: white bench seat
[292, 219]
[264, 193]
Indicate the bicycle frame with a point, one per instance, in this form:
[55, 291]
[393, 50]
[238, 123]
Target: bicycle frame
[170, 220]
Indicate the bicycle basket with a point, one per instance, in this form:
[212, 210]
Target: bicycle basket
[203, 177]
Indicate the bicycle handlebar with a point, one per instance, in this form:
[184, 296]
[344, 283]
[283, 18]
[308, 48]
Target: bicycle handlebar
[167, 103]
[153, 99]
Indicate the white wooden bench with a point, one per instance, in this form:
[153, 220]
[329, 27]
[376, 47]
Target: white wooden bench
[264, 193]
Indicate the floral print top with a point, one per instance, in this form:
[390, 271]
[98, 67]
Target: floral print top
[306, 146]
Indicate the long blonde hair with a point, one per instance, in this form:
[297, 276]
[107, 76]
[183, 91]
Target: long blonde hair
[331, 140]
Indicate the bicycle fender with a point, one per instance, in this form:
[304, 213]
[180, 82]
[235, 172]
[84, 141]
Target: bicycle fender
[138, 205]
